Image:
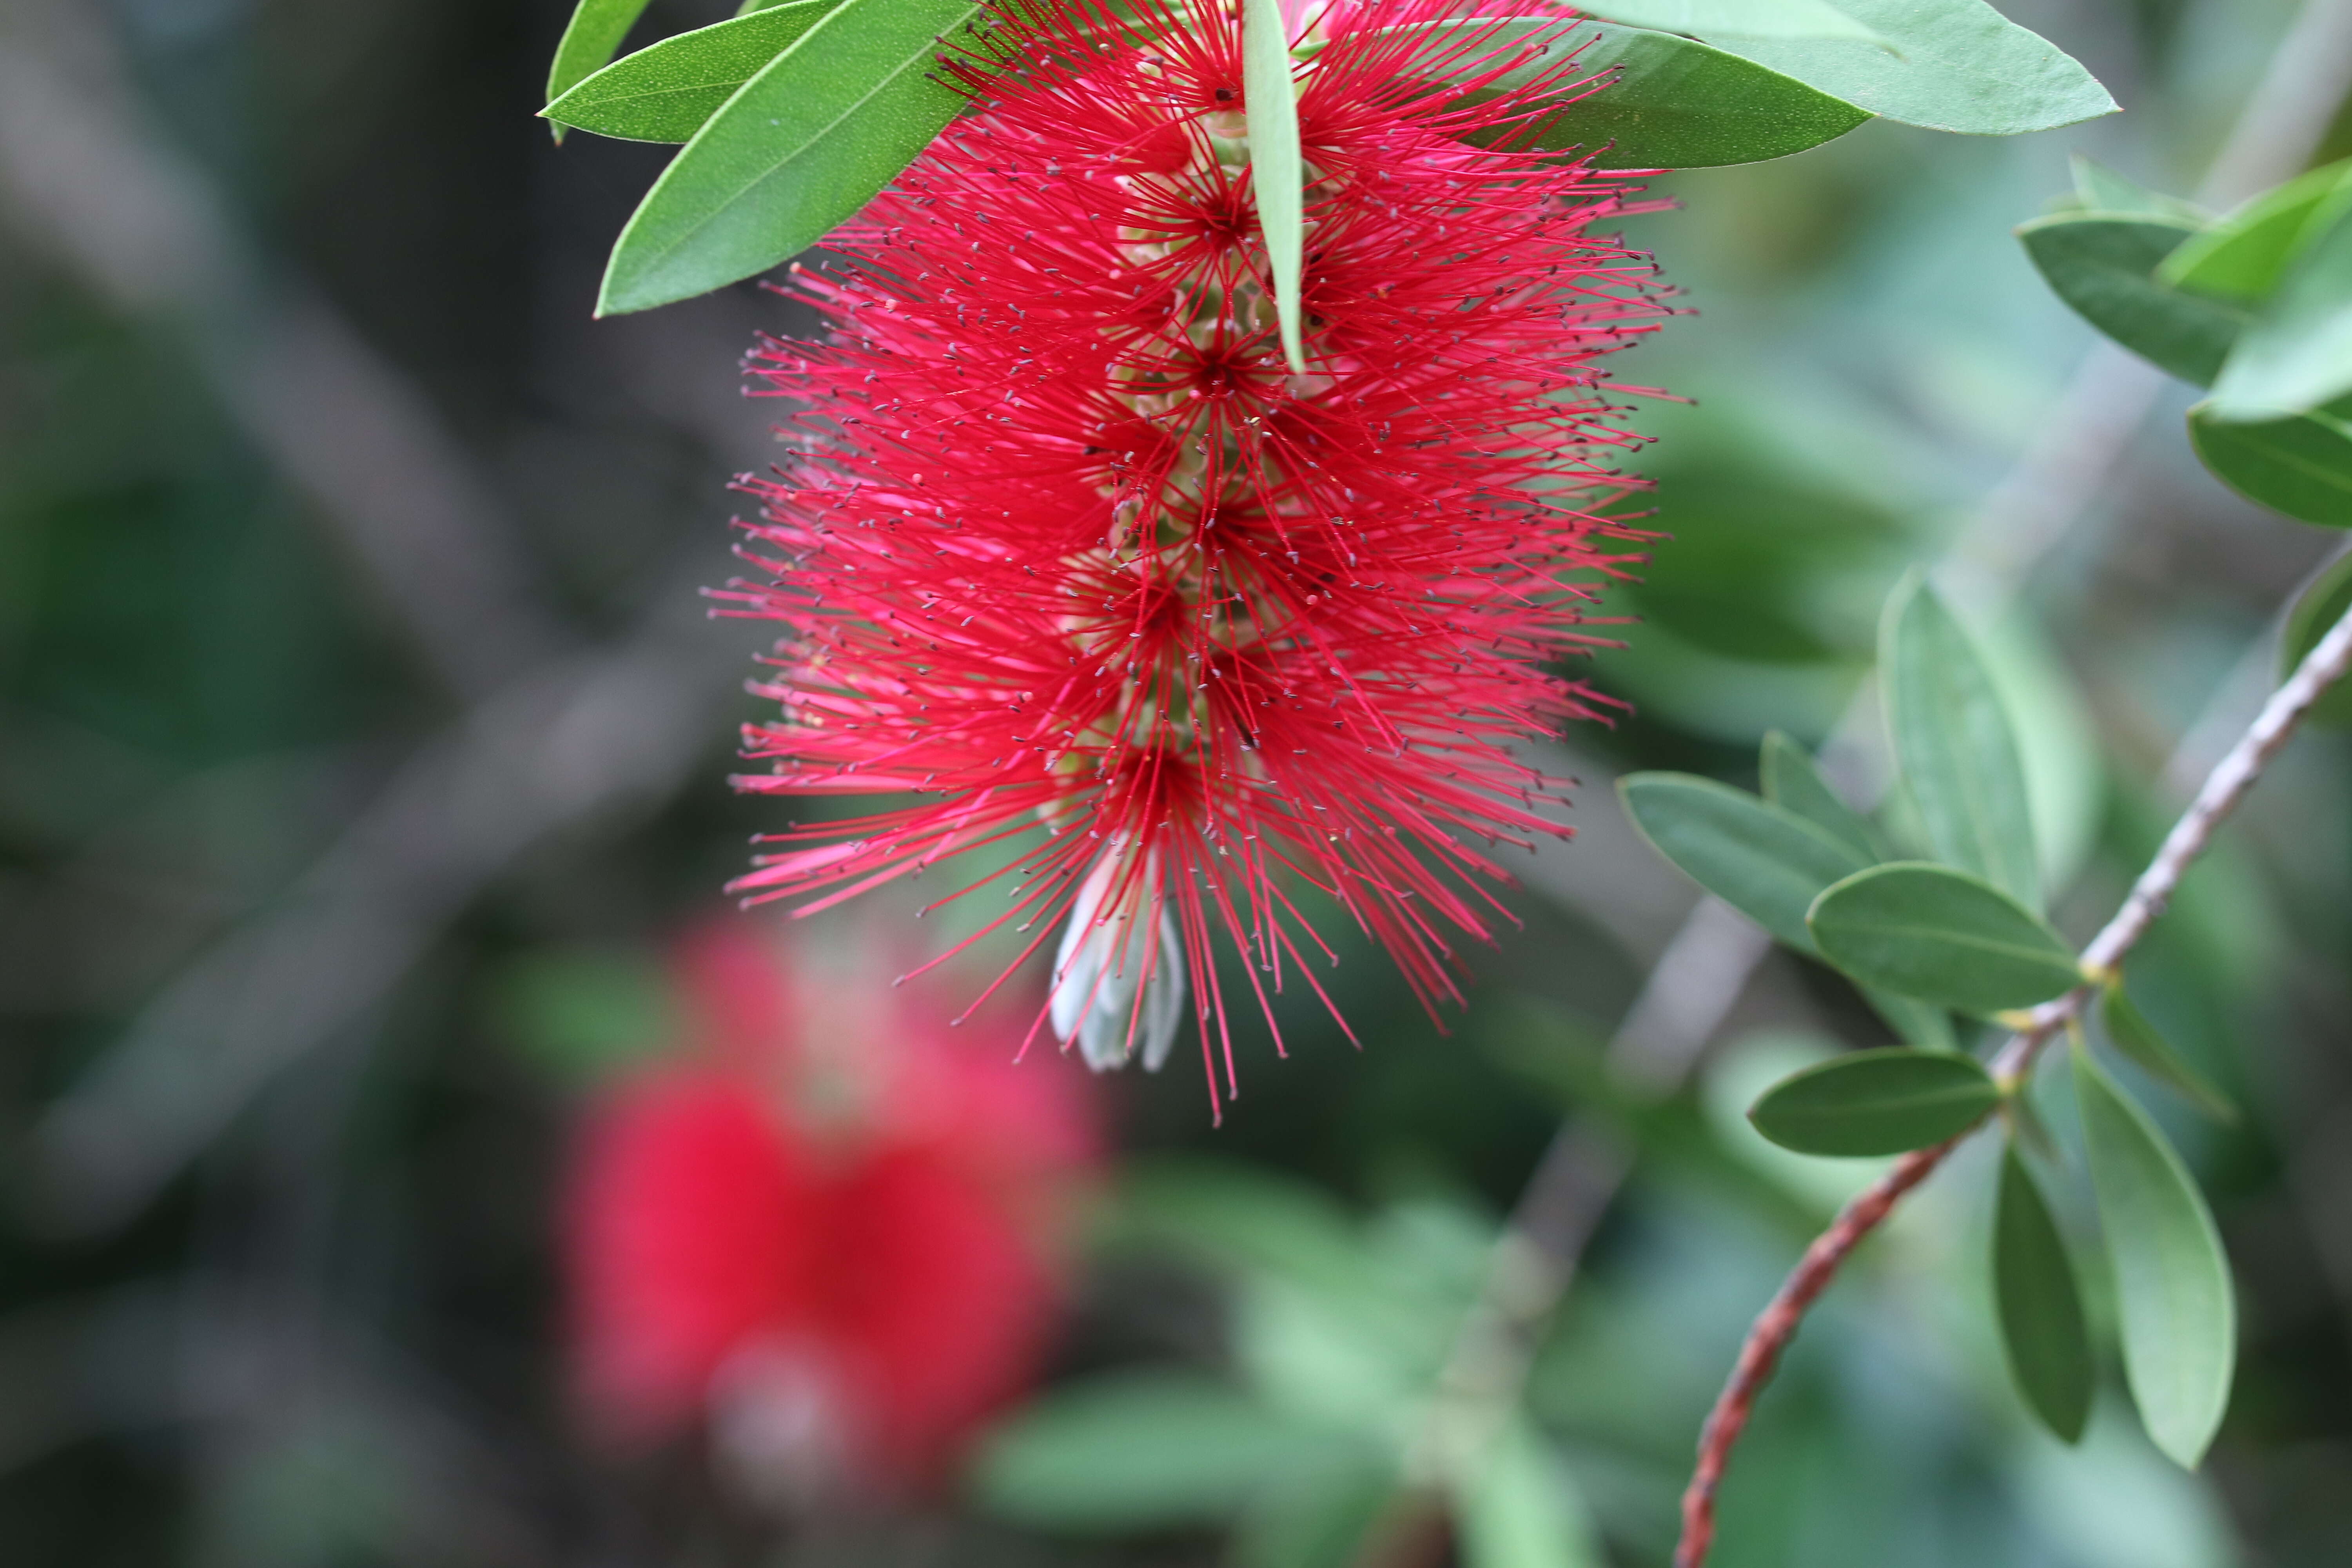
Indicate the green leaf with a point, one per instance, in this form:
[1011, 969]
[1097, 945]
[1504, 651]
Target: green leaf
[2104, 268]
[1942, 936]
[1277, 169]
[1767, 863]
[1914, 1022]
[2172, 1279]
[2300, 465]
[1953, 746]
[2129, 1032]
[1949, 65]
[595, 30]
[2041, 1312]
[1741, 18]
[1794, 783]
[1672, 104]
[1137, 1451]
[2243, 256]
[2100, 189]
[665, 93]
[797, 151]
[1319, 1518]
[2320, 606]
[2297, 355]
[1884, 1102]
[1515, 1508]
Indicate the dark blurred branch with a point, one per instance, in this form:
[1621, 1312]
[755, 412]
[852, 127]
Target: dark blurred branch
[82, 178]
[2222, 791]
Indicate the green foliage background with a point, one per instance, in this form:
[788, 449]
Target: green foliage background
[328, 1336]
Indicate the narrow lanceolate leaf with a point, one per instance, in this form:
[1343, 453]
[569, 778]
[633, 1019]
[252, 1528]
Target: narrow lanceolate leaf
[2129, 1032]
[1277, 169]
[2041, 1312]
[1953, 744]
[2104, 267]
[595, 30]
[2300, 465]
[1949, 65]
[1942, 936]
[1876, 1102]
[2244, 256]
[798, 150]
[1740, 18]
[665, 93]
[2297, 354]
[1794, 783]
[1671, 103]
[2321, 606]
[2173, 1298]
[1767, 863]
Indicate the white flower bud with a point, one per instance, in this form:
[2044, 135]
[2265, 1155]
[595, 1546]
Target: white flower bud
[1120, 941]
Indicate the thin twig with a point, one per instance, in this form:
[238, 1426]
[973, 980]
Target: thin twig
[2222, 791]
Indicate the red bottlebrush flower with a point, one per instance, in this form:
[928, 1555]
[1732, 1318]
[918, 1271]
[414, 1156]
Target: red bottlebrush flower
[1071, 545]
[828, 1234]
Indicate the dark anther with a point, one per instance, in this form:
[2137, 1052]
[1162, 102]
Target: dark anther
[1225, 95]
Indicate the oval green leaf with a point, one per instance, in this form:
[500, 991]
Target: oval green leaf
[1949, 65]
[1887, 1101]
[1767, 863]
[595, 32]
[1794, 783]
[2130, 1033]
[1671, 103]
[2173, 1296]
[2297, 355]
[2103, 265]
[797, 151]
[1942, 936]
[2300, 465]
[2320, 606]
[2048, 1349]
[1277, 169]
[664, 94]
[1953, 746]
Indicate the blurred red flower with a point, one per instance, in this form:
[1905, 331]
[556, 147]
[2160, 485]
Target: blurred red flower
[826, 1226]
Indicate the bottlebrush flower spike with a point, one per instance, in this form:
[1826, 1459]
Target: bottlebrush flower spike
[1070, 545]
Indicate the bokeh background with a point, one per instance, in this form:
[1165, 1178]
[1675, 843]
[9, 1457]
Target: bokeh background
[363, 817]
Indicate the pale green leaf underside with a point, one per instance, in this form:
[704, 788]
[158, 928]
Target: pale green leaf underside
[1277, 169]
[1740, 18]
[2173, 1295]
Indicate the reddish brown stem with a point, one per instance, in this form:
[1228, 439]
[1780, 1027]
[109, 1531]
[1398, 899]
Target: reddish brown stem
[1771, 1334]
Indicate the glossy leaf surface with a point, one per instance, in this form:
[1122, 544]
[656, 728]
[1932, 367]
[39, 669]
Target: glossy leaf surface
[1942, 936]
[1277, 170]
[2300, 465]
[2129, 1031]
[2173, 1295]
[590, 38]
[797, 151]
[1767, 863]
[1954, 745]
[2041, 1312]
[1887, 1101]
[664, 93]
[2321, 606]
[2105, 269]
[1949, 65]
